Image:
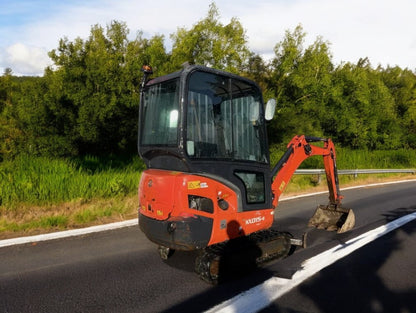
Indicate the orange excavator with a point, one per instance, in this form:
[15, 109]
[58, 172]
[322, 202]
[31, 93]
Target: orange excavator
[209, 185]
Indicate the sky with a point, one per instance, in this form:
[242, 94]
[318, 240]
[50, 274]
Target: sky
[382, 30]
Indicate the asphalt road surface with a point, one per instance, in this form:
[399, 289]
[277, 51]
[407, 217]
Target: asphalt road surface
[120, 270]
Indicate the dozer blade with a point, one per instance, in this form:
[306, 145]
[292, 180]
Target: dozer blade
[333, 218]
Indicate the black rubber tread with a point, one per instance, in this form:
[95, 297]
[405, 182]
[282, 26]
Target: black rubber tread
[218, 262]
[205, 260]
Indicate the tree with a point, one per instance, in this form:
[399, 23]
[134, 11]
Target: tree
[257, 70]
[9, 130]
[402, 86]
[211, 43]
[301, 80]
[87, 103]
[5, 88]
[362, 109]
[143, 51]
[95, 89]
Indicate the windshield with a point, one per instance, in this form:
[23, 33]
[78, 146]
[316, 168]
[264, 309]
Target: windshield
[223, 119]
[161, 114]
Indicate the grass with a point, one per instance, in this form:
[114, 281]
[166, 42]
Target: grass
[42, 194]
[301, 183]
[360, 159]
[45, 181]
[351, 159]
[28, 220]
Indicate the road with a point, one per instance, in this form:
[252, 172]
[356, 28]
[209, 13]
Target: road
[120, 270]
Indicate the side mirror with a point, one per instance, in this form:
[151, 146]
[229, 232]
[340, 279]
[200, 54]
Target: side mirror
[270, 109]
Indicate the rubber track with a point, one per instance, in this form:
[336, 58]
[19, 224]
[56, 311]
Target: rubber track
[216, 263]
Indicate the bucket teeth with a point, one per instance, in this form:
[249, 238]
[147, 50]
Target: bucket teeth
[333, 218]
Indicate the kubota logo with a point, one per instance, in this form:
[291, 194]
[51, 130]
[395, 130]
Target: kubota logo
[255, 220]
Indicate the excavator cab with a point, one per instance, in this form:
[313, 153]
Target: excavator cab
[207, 122]
[202, 136]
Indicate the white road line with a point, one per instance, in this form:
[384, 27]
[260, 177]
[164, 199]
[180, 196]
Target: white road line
[106, 227]
[347, 188]
[262, 295]
[67, 233]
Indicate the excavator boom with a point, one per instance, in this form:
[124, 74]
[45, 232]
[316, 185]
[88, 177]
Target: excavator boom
[331, 217]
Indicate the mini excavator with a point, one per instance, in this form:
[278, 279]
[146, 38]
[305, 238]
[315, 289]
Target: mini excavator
[209, 185]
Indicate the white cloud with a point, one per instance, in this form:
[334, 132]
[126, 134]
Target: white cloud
[27, 60]
[379, 29]
[161, 17]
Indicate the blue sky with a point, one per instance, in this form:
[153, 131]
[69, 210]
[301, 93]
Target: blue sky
[382, 30]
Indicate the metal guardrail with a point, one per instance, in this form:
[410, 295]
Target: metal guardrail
[355, 172]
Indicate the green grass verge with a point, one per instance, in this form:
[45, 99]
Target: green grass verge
[44, 194]
[359, 159]
[351, 159]
[45, 181]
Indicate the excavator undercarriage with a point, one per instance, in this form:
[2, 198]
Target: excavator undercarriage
[219, 262]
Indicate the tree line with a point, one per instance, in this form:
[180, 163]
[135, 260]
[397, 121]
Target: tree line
[87, 102]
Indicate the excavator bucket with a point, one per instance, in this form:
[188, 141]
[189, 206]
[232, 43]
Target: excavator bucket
[333, 218]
